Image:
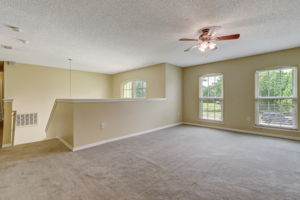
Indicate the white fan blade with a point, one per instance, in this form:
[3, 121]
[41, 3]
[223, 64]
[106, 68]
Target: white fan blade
[195, 46]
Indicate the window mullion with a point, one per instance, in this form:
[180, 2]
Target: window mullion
[280, 74]
[268, 83]
[133, 89]
[208, 93]
[214, 102]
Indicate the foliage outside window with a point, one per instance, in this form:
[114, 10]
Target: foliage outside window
[276, 98]
[134, 89]
[211, 97]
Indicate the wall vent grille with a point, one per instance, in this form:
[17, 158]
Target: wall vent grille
[27, 119]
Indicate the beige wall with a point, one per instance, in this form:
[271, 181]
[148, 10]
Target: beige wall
[153, 75]
[35, 88]
[62, 126]
[91, 85]
[174, 91]
[124, 117]
[239, 88]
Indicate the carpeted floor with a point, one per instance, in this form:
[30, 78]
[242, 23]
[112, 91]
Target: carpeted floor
[184, 162]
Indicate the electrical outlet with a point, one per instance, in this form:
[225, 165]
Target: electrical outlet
[248, 119]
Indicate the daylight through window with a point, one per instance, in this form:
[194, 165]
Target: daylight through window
[211, 97]
[276, 98]
[134, 89]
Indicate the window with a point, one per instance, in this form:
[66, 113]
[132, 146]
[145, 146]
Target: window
[211, 97]
[134, 89]
[276, 98]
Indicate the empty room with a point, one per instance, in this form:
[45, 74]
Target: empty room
[149, 100]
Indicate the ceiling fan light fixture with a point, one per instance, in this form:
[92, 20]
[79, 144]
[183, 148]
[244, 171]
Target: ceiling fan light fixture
[201, 48]
[212, 45]
[204, 45]
[206, 39]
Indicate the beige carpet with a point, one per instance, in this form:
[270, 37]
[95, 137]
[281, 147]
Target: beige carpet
[184, 162]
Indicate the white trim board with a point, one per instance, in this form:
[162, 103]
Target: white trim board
[124, 137]
[65, 143]
[8, 100]
[108, 100]
[51, 116]
[244, 131]
[6, 145]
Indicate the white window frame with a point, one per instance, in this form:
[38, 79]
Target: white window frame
[213, 98]
[294, 98]
[133, 91]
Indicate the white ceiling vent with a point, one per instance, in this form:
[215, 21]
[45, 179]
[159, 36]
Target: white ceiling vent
[27, 119]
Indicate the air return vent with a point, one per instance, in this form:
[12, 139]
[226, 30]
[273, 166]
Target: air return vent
[27, 119]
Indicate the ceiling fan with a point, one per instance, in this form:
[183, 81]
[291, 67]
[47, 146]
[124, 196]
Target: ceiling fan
[206, 39]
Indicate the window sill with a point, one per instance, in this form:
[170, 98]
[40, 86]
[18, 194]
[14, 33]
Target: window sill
[277, 128]
[210, 121]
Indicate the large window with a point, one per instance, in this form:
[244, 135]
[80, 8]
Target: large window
[276, 98]
[211, 97]
[133, 89]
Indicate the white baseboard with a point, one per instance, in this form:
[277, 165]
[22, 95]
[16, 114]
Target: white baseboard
[124, 137]
[6, 145]
[244, 131]
[65, 143]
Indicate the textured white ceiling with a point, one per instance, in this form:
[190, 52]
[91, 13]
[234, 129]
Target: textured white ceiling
[110, 36]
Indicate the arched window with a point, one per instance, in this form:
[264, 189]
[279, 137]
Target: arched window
[134, 89]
